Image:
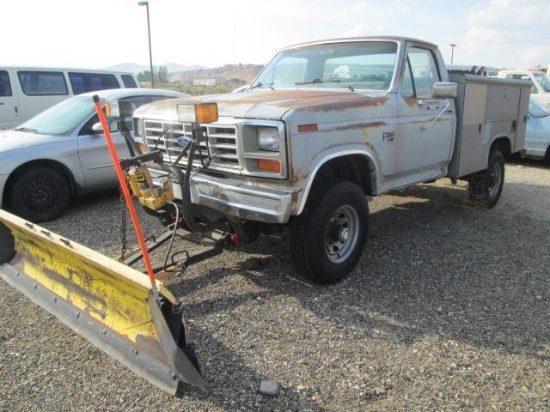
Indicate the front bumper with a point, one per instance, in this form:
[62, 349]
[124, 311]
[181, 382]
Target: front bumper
[237, 198]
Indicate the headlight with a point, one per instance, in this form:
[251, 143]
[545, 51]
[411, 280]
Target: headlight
[268, 139]
[138, 127]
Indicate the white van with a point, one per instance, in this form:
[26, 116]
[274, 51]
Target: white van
[27, 91]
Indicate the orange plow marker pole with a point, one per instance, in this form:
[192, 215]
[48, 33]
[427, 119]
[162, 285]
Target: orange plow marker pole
[127, 195]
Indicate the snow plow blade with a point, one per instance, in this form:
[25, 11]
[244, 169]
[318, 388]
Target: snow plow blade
[108, 303]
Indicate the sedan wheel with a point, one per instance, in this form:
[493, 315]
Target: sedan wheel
[39, 195]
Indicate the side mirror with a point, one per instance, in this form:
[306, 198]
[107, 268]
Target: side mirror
[97, 128]
[445, 89]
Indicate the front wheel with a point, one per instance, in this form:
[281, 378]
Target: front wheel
[39, 195]
[327, 239]
[485, 187]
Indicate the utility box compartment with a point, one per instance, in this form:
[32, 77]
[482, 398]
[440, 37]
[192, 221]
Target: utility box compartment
[487, 108]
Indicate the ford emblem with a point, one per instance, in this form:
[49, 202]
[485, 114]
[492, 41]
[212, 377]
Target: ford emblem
[184, 141]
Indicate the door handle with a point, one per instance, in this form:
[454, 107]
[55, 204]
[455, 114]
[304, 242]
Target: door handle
[425, 126]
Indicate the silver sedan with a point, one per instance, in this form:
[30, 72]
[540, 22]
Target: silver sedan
[61, 153]
[537, 136]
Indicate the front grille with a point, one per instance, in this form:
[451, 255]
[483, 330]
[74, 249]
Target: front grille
[219, 143]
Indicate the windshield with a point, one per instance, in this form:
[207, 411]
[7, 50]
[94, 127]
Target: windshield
[543, 80]
[61, 118]
[537, 110]
[354, 65]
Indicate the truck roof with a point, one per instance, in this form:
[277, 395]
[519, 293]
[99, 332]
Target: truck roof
[358, 39]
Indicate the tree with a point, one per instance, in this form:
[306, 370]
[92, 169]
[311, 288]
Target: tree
[160, 73]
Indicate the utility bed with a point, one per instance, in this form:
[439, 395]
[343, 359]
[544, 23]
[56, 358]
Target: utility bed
[487, 107]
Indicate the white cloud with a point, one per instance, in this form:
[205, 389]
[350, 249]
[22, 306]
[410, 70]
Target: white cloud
[401, 6]
[517, 30]
[216, 32]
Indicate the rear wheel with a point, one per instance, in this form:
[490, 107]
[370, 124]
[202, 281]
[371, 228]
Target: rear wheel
[327, 239]
[39, 195]
[485, 187]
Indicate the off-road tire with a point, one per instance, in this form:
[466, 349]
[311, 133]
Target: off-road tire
[485, 187]
[328, 238]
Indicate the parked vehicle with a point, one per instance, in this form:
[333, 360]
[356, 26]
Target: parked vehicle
[540, 83]
[61, 153]
[27, 91]
[323, 125]
[480, 70]
[537, 136]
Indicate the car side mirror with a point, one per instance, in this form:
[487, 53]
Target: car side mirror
[97, 128]
[445, 89]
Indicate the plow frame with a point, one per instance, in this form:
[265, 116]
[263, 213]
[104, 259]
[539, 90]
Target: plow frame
[110, 304]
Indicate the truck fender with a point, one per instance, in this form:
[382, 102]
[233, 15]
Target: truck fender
[322, 164]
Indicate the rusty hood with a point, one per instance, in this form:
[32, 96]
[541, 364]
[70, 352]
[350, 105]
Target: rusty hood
[265, 104]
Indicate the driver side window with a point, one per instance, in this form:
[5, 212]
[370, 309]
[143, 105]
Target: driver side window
[420, 74]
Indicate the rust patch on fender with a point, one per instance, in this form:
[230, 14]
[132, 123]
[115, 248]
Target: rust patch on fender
[343, 103]
[360, 126]
[410, 101]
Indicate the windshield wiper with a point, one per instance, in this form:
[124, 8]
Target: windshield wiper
[315, 81]
[260, 84]
[27, 129]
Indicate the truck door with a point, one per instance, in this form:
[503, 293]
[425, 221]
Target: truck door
[9, 103]
[425, 125]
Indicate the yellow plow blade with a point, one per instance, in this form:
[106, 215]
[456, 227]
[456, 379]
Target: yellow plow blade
[108, 303]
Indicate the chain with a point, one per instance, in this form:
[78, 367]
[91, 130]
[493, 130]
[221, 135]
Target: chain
[122, 225]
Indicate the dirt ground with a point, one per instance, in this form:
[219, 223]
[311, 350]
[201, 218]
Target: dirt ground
[447, 310]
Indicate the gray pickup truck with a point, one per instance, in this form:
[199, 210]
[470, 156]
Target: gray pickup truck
[324, 125]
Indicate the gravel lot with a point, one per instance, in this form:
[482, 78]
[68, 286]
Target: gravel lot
[447, 310]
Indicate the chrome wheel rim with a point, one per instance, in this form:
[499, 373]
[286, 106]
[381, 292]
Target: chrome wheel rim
[342, 234]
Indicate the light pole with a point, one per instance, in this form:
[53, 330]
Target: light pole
[146, 4]
[452, 51]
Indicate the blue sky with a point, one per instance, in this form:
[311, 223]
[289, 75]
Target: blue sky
[102, 33]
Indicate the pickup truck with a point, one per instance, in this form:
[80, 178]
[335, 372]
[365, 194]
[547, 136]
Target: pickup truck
[540, 83]
[324, 125]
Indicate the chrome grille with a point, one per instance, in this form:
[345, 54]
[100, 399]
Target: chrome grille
[219, 143]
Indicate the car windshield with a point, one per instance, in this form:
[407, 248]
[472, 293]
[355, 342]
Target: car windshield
[543, 80]
[366, 65]
[61, 118]
[537, 110]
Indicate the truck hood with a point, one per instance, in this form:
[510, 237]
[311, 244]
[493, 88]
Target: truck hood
[264, 104]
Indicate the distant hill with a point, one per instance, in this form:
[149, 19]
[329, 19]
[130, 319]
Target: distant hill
[230, 73]
[137, 68]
